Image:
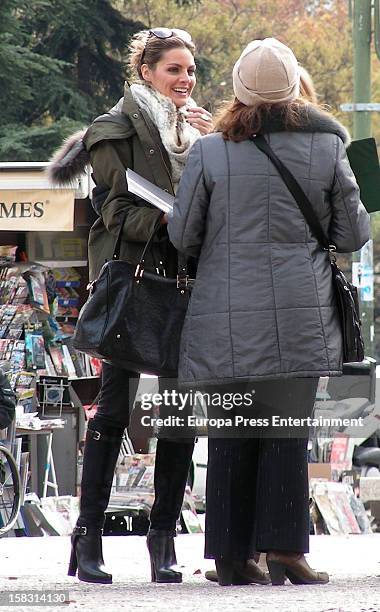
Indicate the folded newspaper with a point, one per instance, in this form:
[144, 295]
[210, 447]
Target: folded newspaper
[151, 193]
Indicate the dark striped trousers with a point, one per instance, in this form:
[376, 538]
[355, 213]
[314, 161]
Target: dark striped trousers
[257, 495]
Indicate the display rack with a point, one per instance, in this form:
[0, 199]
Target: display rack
[36, 335]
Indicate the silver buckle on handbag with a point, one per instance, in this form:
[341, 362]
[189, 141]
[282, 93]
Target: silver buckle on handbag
[332, 251]
[160, 269]
[182, 281]
[139, 272]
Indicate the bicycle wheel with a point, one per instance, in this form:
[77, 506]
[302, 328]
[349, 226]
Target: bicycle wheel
[9, 491]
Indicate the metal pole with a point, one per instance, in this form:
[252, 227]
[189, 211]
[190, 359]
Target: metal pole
[362, 32]
[362, 65]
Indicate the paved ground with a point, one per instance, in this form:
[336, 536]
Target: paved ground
[41, 564]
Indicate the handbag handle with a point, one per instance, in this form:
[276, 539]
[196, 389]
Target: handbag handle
[116, 252]
[297, 192]
[182, 271]
[182, 274]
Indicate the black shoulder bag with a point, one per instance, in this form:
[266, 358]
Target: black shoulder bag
[346, 293]
[133, 318]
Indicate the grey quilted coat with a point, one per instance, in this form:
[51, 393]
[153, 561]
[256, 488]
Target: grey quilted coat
[263, 304]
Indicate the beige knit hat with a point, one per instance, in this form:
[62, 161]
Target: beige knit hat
[267, 71]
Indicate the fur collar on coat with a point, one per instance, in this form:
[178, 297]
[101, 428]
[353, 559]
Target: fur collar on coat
[312, 120]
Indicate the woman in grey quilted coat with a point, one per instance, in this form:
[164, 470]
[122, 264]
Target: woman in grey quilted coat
[262, 319]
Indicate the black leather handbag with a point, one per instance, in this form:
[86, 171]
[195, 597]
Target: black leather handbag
[133, 318]
[346, 293]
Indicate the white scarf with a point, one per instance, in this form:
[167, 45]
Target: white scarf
[176, 134]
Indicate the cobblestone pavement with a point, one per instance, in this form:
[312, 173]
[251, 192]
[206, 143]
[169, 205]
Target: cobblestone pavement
[41, 564]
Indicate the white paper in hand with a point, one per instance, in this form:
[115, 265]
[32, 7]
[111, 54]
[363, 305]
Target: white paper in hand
[151, 193]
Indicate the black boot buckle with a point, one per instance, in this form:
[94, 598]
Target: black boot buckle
[95, 435]
[82, 530]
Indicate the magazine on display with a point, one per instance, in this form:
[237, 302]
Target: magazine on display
[341, 511]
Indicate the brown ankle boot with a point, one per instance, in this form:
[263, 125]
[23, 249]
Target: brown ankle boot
[294, 566]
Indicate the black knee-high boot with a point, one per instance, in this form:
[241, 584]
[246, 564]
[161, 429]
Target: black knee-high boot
[100, 455]
[171, 471]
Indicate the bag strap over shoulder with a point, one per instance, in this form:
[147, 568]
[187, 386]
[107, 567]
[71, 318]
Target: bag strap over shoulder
[116, 252]
[297, 192]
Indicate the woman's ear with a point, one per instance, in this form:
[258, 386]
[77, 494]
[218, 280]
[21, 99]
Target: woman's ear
[146, 72]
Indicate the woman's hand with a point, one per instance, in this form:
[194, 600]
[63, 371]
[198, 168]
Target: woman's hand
[200, 119]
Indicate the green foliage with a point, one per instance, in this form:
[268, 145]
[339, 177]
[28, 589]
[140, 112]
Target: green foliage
[90, 37]
[34, 143]
[17, 63]
[63, 60]
[61, 64]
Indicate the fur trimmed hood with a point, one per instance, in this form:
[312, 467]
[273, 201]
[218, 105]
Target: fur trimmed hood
[72, 157]
[69, 161]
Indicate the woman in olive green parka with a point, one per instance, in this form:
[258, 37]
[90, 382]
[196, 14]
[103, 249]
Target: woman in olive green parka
[150, 130]
[124, 138]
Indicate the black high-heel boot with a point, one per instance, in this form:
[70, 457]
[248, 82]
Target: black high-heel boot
[160, 544]
[87, 556]
[172, 464]
[245, 572]
[225, 571]
[100, 455]
[171, 470]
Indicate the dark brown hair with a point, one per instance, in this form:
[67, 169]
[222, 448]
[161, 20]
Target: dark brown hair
[150, 49]
[238, 122]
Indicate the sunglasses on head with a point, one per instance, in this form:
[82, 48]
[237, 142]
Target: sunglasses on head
[167, 33]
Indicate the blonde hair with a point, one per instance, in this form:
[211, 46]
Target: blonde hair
[150, 48]
[307, 89]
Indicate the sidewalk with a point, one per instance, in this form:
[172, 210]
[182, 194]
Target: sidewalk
[41, 564]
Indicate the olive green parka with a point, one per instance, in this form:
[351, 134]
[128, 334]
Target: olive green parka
[124, 137]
